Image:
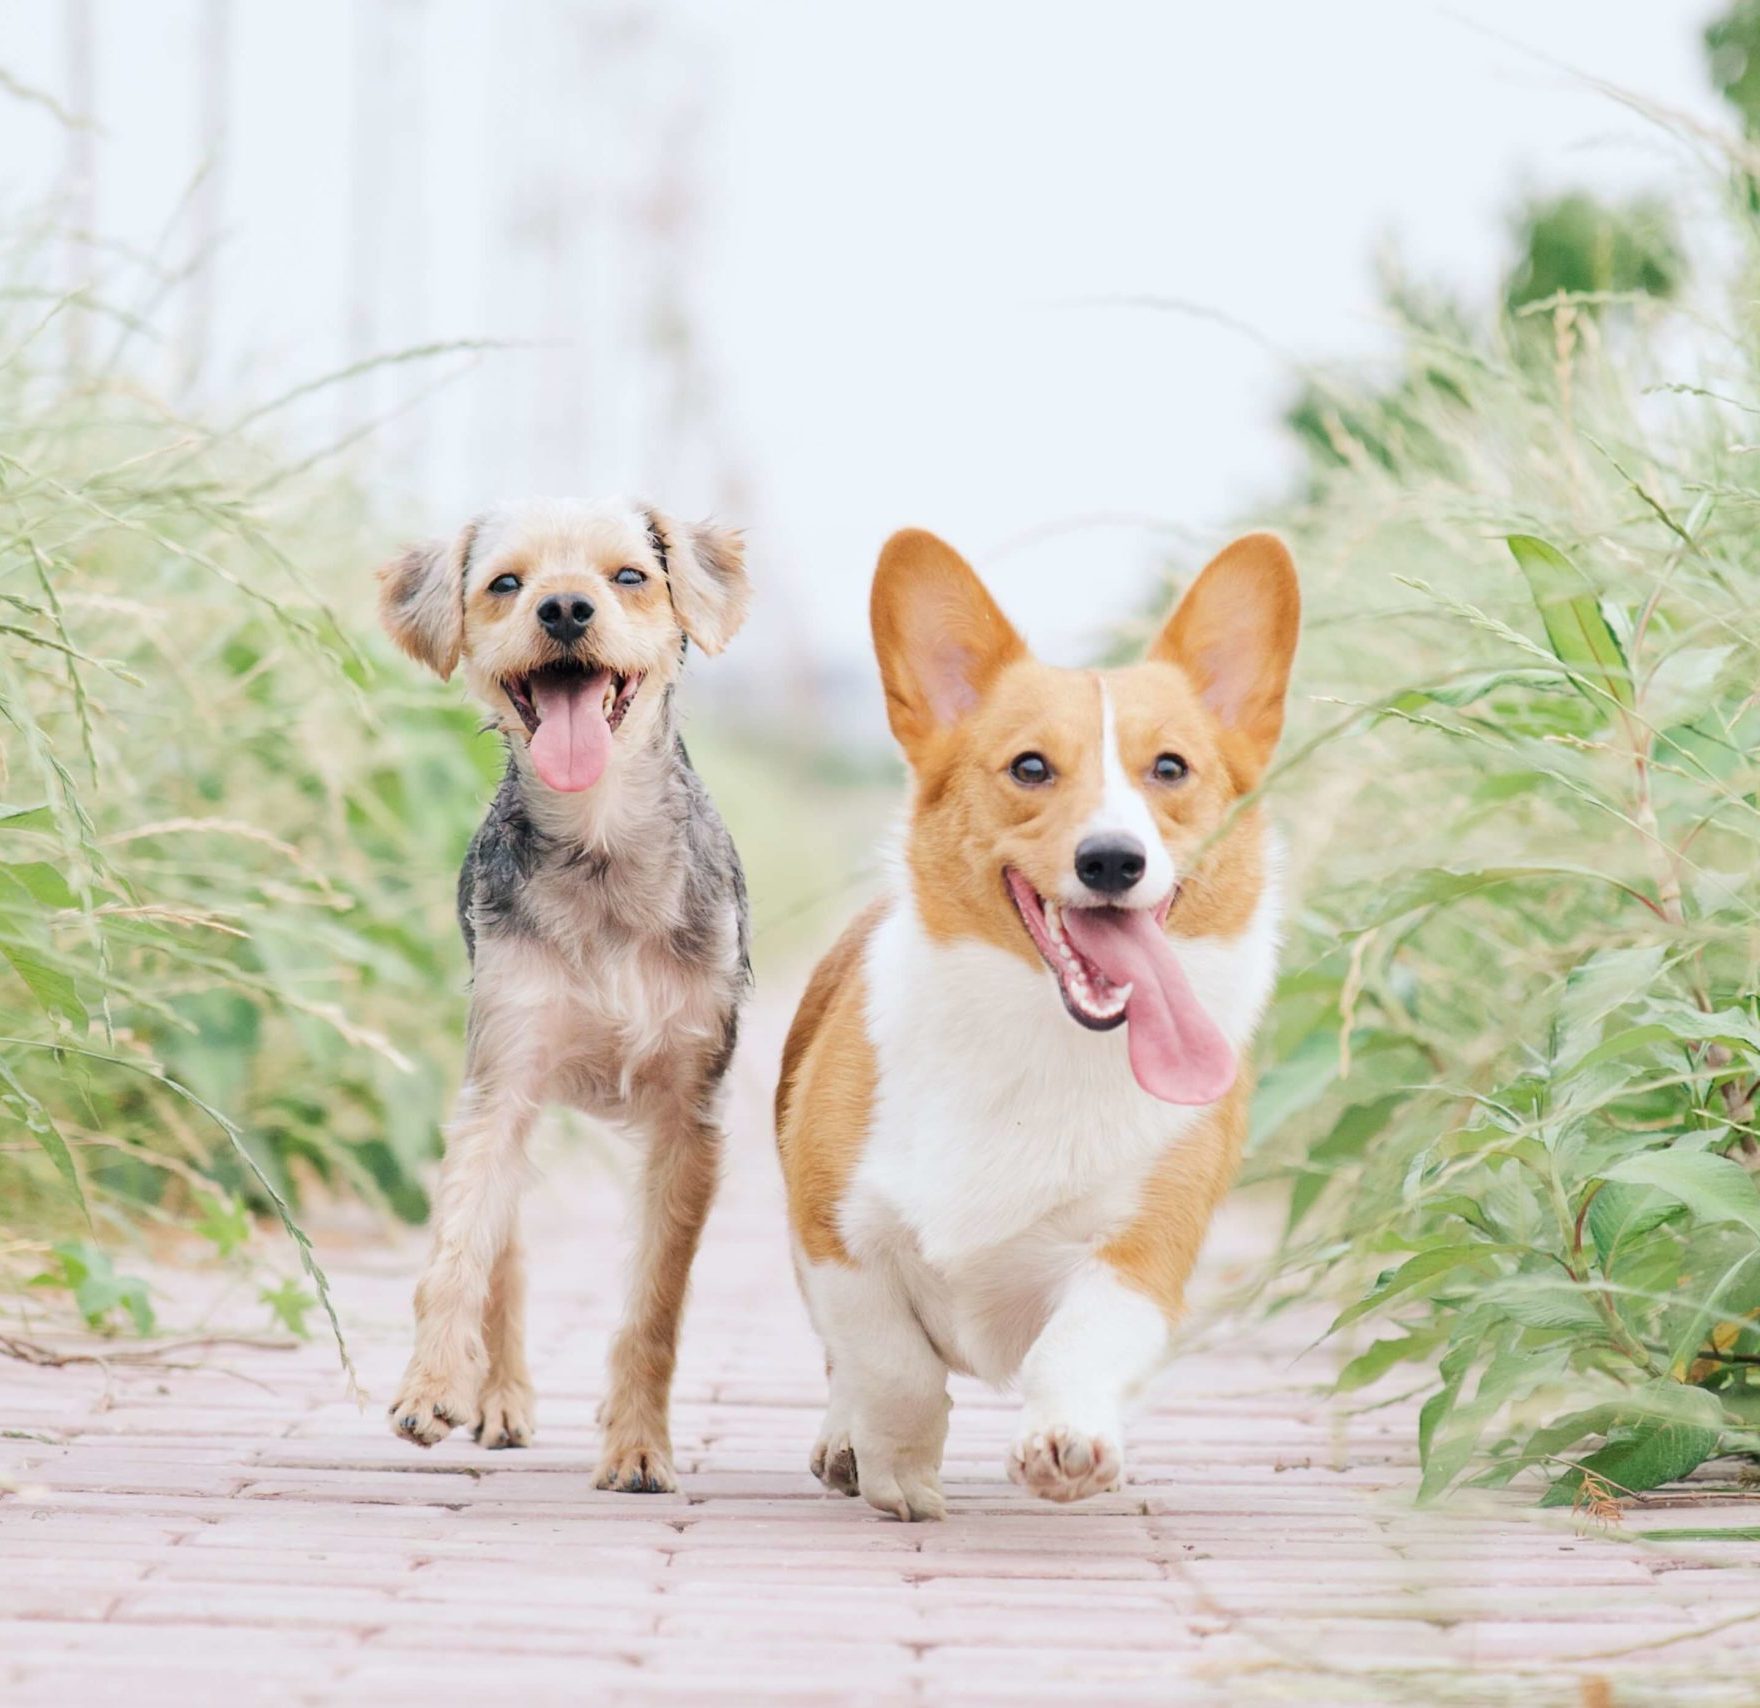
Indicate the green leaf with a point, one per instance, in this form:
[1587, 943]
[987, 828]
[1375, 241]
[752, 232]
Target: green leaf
[43, 1129]
[1604, 981]
[26, 818]
[288, 1304]
[224, 1223]
[1736, 1533]
[1712, 1187]
[1646, 1457]
[1684, 685]
[1414, 1272]
[1370, 1366]
[40, 881]
[1542, 1301]
[1618, 1213]
[1295, 1083]
[97, 1289]
[1580, 636]
[53, 988]
[1353, 1129]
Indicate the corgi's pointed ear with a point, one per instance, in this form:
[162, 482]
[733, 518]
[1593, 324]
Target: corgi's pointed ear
[706, 570]
[940, 638]
[421, 600]
[1234, 634]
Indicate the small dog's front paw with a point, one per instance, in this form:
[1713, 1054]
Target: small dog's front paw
[428, 1408]
[636, 1470]
[834, 1463]
[1061, 1463]
[506, 1415]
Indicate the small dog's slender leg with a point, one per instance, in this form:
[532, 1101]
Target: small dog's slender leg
[507, 1394]
[1102, 1342]
[474, 1217]
[679, 1175]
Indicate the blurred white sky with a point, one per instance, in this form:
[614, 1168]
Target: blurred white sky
[885, 226]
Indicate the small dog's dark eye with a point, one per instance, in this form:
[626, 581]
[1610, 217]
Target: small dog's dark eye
[629, 577]
[1170, 768]
[1030, 769]
[504, 584]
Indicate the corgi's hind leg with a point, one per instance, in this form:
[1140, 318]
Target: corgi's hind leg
[886, 1425]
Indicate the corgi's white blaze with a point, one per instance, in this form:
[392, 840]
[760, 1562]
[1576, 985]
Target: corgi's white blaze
[1123, 811]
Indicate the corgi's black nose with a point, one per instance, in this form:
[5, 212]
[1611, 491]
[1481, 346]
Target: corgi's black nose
[1110, 865]
[565, 616]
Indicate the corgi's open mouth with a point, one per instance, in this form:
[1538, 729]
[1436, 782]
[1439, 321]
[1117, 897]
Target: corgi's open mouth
[571, 713]
[1117, 964]
[1088, 993]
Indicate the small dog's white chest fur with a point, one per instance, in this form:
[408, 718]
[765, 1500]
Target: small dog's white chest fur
[1006, 1141]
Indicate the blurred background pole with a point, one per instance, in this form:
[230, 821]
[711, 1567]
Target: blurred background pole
[372, 110]
[208, 195]
[79, 169]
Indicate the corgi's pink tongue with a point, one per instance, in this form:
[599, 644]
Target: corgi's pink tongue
[572, 743]
[1177, 1052]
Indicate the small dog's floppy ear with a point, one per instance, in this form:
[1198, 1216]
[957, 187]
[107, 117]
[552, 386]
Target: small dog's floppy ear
[421, 601]
[1234, 634]
[940, 638]
[706, 571]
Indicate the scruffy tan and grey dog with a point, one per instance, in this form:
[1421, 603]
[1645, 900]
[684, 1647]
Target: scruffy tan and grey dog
[605, 912]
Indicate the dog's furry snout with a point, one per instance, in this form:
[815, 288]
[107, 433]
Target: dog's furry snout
[564, 616]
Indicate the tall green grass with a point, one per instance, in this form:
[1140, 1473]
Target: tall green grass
[228, 972]
[1513, 1061]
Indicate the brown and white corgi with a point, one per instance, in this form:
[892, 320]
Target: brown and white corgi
[1015, 1090]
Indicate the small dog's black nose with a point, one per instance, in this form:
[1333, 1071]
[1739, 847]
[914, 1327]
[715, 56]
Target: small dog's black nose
[565, 616]
[1110, 865]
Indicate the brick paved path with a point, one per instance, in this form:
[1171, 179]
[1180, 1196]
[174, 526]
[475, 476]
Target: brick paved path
[243, 1533]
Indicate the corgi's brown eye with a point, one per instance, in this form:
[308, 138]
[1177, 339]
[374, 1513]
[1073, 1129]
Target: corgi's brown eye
[504, 584]
[629, 576]
[1030, 769]
[1170, 768]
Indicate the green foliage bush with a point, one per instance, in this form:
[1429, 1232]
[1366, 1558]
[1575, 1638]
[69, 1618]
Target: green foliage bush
[226, 840]
[1513, 1062]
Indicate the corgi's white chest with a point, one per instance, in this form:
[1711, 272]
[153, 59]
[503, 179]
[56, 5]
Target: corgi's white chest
[1006, 1140]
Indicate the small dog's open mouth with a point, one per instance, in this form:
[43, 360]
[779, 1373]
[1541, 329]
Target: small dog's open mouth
[1117, 964]
[618, 693]
[571, 713]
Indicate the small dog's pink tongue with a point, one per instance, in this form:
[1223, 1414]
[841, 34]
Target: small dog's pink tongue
[572, 743]
[1177, 1051]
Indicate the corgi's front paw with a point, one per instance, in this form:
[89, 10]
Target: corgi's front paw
[903, 1492]
[1062, 1463]
[834, 1462]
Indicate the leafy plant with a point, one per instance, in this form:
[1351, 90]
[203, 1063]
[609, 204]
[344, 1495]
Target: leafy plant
[1513, 1066]
[225, 840]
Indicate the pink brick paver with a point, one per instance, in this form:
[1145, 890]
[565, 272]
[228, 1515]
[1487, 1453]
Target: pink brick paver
[243, 1533]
